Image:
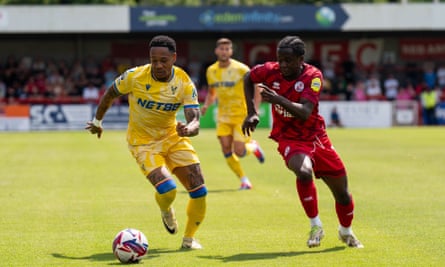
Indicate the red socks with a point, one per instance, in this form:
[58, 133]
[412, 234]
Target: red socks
[345, 214]
[308, 197]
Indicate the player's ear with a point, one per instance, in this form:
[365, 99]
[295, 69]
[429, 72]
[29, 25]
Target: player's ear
[174, 57]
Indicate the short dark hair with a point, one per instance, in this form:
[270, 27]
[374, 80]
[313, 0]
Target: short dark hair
[222, 41]
[293, 42]
[163, 41]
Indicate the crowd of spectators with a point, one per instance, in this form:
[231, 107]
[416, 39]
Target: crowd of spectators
[38, 80]
[35, 80]
[387, 82]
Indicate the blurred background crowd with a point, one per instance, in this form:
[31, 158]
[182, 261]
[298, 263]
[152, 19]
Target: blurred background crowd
[39, 80]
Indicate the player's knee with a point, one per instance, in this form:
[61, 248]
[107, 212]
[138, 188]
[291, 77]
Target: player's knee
[240, 153]
[343, 198]
[199, 191]
[304, 174]
[166, 186]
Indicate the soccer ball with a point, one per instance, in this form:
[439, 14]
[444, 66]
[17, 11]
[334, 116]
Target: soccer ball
[130, 245]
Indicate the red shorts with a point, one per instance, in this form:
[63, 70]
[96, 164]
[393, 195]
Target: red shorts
[325, 160]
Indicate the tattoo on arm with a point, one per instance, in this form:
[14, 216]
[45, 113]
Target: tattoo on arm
[191, 114]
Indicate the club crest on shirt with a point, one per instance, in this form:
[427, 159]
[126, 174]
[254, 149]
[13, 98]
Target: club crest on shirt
[147, 87]
[316, 84]
[299, 86]
[173, 89]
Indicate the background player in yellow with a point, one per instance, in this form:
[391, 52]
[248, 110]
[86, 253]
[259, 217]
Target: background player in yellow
[225, 85]
[159, 143]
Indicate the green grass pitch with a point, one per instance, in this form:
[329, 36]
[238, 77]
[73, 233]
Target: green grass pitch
[64, 196]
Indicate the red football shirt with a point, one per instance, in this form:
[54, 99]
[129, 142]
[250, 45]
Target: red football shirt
[308, 85]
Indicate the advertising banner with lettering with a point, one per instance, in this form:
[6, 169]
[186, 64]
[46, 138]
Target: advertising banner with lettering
[366, 53]
[59, 117]
[219, 18]
[405, 112]
[422, 49]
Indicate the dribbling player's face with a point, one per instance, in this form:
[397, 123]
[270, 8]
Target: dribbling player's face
[290, 64]
[224, 52]
[162, 61]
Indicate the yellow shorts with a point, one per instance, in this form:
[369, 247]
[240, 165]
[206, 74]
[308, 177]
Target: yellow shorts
[233, 129]
[172, 152]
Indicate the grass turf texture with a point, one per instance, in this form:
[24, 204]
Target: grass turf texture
[64, 196]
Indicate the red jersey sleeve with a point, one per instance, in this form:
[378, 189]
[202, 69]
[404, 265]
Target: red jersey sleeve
[313, 81]
[259, 73]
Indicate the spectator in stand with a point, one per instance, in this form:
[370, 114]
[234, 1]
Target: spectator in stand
[420, 88]
[329, 67]
[2, 90]
[40, 81]
[77, 71]
[327, 93]
[373, 88]
[391, 86]
[359, 92]
[10, 70]
[38, 65]
[349, 91]
[110, 75]
[440, 74]
[406, 92]
[429, 100]
[429, 75]
[348, 68]
[54, 77]
[335, 118]
[32, 90]
[63, 68]
[90, 93]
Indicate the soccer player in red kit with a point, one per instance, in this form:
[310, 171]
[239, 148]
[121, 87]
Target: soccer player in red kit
[293, 88]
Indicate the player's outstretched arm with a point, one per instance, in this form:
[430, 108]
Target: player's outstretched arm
[210, 99]
[252, 119]
[95, 126]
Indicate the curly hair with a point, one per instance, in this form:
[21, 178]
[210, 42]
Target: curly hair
[163, 41]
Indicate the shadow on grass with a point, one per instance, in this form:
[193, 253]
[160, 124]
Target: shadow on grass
[268, 255]
[152, 253]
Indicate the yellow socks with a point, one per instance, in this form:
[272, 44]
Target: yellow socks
[165, 200]
[234, 164]
[196, 210]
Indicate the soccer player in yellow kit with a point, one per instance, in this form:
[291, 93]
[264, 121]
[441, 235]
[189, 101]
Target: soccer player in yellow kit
[225, 83]
[160, 144]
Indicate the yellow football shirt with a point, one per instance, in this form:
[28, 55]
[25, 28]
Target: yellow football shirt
[153, 104]
[229, 85]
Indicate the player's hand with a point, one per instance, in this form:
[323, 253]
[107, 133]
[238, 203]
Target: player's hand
[203, 110]
[250, 123]
[181, 129]
[94, 129]
[268, 94]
